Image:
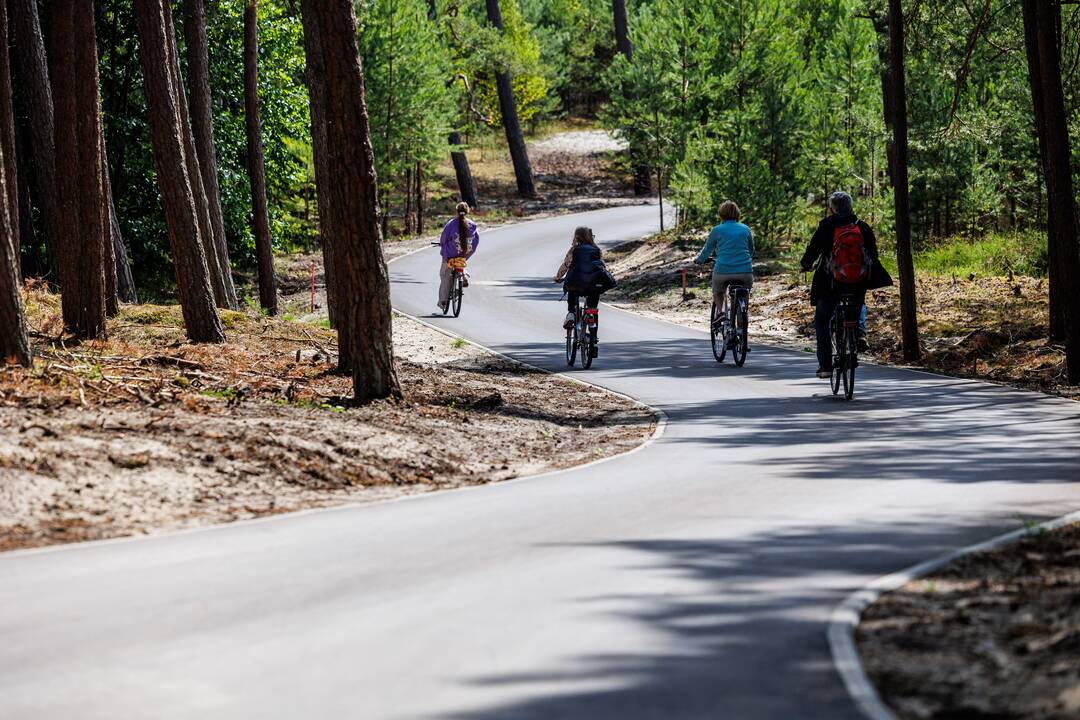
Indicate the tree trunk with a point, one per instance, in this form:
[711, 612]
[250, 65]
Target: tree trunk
[1041, 21]
[26, 232]
[626, 48]
[409, 217]
[256, 166]
[125, 283]
[1031, 44]
[364, 296]
[110, 261]
[909, 327]
[33, 75]
[14, 344]
[465, 182]
[176, 175]
[202, 125]
[313, 51]
[419, 198]
[80, 184]
[515, 139]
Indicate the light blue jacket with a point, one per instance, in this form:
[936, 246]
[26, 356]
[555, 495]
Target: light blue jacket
[733, 245]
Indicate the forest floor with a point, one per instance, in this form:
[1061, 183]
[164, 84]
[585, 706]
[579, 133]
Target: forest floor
[993, 635]
[144, 432]
[987, 328]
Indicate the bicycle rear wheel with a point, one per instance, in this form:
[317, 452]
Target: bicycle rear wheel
[588, 342]
[850, 351]
[738, 351]
[716, 336]
[456, 296]
[837, 357]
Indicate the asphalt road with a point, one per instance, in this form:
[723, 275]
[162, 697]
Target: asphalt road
[691, 579]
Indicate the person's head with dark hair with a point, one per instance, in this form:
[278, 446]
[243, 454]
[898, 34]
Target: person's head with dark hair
[840, 203]
[463, 227]
[729, 210]
[584, 236]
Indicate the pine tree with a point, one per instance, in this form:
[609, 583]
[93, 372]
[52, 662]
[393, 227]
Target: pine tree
[363, 294]
[256, 164]
[177, 174]
[14, 344]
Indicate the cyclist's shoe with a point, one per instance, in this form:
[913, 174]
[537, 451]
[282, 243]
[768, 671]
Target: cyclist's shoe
[594, 351]
[443, 306]
[569, 321]
[465, 279]
[862, 344]
[824, 374]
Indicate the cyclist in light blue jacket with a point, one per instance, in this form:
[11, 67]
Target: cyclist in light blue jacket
[732, 243]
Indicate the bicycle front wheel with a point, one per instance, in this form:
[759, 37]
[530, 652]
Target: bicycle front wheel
[716, 336]
[458, 292]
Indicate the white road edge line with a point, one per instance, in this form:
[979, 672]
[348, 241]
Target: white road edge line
[661, 426]
[845, 617]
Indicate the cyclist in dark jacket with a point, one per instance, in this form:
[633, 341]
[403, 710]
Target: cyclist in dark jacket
[824, 292]
[582, 273]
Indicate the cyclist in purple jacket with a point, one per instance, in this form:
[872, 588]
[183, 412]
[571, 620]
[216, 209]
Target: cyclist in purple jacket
[459, 239]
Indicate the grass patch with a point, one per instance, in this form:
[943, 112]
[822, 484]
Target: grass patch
[1000, 254]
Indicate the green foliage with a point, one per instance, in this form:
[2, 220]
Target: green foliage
[760, 102]
[406, 69]
[285, 130]
[1021, 253]
[772, 103]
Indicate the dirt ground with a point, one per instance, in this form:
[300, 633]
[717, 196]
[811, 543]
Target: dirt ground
[993, 635]
[989, 328]
[144, 432]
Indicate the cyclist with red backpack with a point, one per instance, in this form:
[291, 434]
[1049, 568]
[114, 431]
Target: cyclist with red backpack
[846, 254]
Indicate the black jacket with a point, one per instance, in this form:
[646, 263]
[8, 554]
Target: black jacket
[587, 271]
[820, 249]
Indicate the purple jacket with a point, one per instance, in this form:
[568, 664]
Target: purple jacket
[448, 242]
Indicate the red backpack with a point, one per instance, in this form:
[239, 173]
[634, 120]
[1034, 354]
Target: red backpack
[849, 262]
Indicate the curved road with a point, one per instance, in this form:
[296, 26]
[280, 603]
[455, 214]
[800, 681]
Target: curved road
[692, 579]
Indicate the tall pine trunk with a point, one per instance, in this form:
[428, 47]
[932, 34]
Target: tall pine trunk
[202, 125]
[14, 344]
[110, 260]
[79, 152]
[465, 182]
[176, 175]
[515, 139]
[313, 51]
[353, 222]
[1041, 22]
[626, 48]
[256, 166]
[33, 74]
[898, 149]
[125, 282]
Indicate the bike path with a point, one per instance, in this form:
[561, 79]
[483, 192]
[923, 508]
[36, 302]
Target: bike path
[691, 579]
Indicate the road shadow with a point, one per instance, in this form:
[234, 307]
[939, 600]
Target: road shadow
[739, 641]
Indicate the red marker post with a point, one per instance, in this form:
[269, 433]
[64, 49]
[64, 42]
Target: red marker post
[312, 286]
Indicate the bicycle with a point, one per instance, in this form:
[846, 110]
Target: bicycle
[730, 331]
[845, 344]
[582, 335]
[457, 287]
